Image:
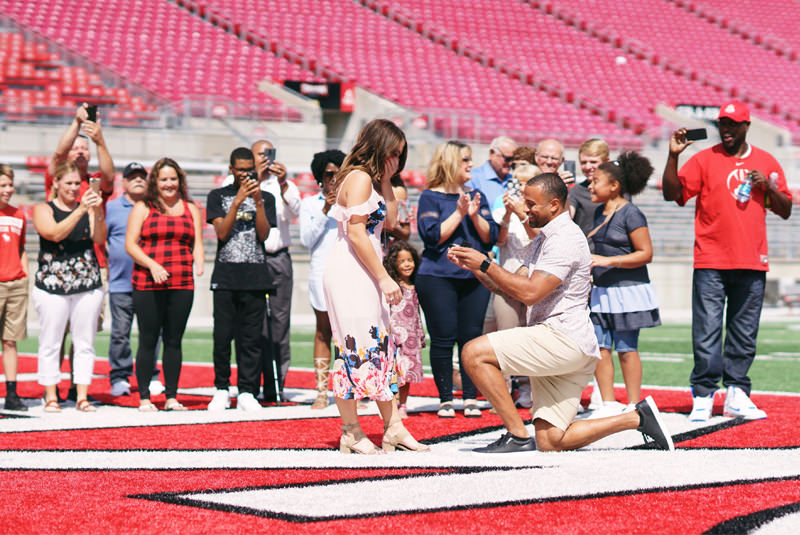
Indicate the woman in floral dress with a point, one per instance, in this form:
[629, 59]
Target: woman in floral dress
[358, 289]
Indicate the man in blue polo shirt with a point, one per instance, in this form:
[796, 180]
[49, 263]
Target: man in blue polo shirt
[490, 178]
[120, 291]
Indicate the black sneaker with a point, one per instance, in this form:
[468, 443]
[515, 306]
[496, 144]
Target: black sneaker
[650, 424]
[13, 403]
[508, 443]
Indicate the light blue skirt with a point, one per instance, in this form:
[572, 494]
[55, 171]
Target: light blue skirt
[625, 308]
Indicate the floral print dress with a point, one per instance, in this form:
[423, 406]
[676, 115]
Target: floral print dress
[364, 356]
[408, 336]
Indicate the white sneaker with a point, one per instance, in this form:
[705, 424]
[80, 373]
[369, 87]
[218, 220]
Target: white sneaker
[121, 388]
[701, 408]
[156, 387]
[220, 401]
[609, 408]
[739, 405]
[524, 400]
[596, 401]
[247, 402]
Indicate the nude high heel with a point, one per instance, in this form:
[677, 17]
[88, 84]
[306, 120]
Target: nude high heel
[396, 436]
[354, 440]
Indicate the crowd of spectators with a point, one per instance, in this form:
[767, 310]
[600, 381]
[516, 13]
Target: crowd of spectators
[482, 228]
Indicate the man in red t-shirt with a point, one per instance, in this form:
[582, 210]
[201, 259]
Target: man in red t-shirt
[734, 183]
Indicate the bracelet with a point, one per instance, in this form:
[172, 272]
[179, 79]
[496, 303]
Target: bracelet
[527, 217]
[504, 223]
[619, 262]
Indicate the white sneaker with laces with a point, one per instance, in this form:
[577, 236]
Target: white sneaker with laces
[121, 388]
[247, 402]
[739, 405]
[156, 387]
[220, 401]
[701, 408]
[609, 408]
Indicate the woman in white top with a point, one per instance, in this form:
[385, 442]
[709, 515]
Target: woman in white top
[317, 233]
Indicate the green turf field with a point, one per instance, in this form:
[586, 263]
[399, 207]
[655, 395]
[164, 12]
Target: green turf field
[666, 354]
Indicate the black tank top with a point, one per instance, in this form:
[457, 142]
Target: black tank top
[69, 266]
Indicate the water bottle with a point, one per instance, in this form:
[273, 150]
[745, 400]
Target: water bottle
[745, 189]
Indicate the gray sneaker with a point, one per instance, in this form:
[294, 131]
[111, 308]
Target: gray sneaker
[650, 424]
[121, 388]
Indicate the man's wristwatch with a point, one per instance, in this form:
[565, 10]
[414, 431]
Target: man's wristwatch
[485, 265]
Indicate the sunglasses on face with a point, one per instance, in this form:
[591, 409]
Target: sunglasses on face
[507, 159]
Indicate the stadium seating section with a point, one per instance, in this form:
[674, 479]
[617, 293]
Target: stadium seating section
[472, 69]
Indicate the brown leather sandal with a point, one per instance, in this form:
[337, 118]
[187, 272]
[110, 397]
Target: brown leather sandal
[84, 405]
[52, 406]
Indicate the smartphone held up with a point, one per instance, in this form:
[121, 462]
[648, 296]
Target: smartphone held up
[696, 134]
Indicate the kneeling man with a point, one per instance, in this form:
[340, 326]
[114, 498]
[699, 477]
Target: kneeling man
[558, 349]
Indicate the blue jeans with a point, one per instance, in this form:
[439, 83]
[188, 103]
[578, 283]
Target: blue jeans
[454, 312]
[743, 289]
[120, 358]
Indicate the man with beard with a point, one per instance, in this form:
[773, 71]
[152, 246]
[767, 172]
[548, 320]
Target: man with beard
[557, 349]
[734, 183]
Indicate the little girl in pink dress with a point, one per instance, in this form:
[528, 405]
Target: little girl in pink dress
[401, 263]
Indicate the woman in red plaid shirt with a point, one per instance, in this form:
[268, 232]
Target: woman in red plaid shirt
[165, 239]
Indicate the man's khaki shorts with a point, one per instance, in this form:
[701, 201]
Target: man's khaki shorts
[558, 369]
[14, 310]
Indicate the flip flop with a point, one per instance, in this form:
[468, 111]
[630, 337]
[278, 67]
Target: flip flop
[148, 407]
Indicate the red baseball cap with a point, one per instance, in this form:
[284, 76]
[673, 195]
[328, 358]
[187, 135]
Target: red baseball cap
[735, 111]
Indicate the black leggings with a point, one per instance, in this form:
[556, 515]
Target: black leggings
[163, 312]
[454, 312]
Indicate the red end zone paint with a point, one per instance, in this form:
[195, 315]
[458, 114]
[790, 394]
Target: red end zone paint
[135, 500]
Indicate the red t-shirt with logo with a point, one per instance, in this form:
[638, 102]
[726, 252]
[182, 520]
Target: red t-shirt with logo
[12, 240]
[729, 234]
[99, 249]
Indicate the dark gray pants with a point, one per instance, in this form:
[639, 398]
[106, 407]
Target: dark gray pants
[280, 304]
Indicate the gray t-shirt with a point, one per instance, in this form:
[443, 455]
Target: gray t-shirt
[561, 250]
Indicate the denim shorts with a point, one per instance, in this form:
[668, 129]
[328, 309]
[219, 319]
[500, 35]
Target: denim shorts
[623, 341]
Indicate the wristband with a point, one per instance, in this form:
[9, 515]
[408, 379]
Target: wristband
[485, 265]
[527, 217]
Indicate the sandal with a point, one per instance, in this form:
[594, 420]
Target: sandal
[174, 405]
[354, 440]
[471, 409]
[396, 436]
[52, 406]
[446, 410]
[148, 407]
[84, 405]
[321, 402]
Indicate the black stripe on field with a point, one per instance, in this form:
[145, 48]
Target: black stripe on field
[179, 499]
[696, 433]
[753, 521]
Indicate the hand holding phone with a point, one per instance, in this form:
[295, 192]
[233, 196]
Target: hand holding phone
[91, 112]
[94, 183]
[569, 166]
[696, 134]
